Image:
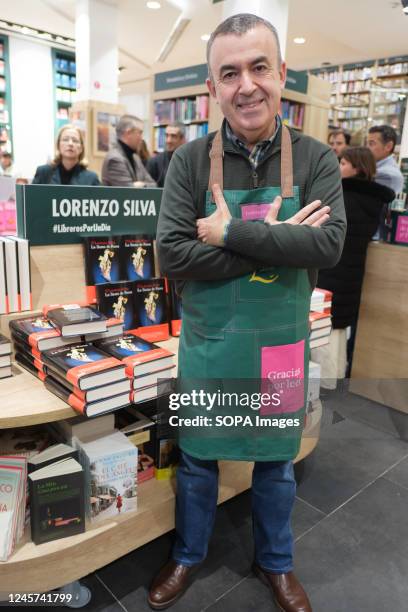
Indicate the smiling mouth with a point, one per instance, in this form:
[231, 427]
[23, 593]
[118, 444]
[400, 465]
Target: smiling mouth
[250, 105]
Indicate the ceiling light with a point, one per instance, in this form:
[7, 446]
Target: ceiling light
[299, 40]
[205, 37]
[152, 4]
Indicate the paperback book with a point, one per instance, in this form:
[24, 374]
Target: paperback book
[39, 333]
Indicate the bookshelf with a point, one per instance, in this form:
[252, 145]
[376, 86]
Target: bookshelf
[367, 93]
[64, 77]
[6, 142]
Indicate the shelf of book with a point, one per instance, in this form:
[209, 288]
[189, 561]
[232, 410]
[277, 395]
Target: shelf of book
[6, 142]
[47, 566]
[64, 77]
[368, 82]
[24, 400]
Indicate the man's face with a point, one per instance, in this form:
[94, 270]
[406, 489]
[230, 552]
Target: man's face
[173, 138]
[133, 138]
[378, 148]
[5, 162]
[338, 143]
[247, 82]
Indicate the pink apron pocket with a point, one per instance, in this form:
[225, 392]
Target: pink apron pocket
[283, 373]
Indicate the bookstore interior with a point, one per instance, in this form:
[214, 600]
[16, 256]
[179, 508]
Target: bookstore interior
[89, 325]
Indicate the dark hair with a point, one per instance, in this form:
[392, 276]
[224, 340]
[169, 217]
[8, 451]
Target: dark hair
[143, 152]
[241, 24]
[362, 160]
[388, 134]
[6, 154]
[347, 136]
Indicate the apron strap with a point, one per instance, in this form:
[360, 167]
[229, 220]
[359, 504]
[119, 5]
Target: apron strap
[216, 163]
[286, 164]
[216, 167]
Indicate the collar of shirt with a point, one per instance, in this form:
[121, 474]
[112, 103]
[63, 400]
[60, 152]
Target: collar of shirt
[259, 150]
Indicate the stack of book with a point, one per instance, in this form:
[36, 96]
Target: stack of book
[146, 365]
[140, 431]
[110, 465]
[15, 279]
[320, 317]
[13, 486]
[5, 357]
[56, 489]
[87, 379]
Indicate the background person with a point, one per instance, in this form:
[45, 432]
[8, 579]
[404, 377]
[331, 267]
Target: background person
[144, 152]
[339, 140]
[381, 141]
[236, 302]
[363, 200]
[158, 165]
[122, 166]
[69, 164]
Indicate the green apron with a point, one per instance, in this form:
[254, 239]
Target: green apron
[241, 332]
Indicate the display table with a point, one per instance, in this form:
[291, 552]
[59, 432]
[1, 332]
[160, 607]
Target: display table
[380, 363]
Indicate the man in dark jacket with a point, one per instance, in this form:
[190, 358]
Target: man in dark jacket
[122, 167]
[247, 264]
[157, 166]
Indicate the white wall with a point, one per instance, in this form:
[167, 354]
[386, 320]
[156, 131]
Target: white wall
[138, 104]
[32, 104]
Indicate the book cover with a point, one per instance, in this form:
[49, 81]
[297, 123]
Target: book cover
[136, 257]
[84, 365]
[111, 475]
[101, 262]
[151, 312]
[21, 463]
[116, 302]
[11, 477]
[39, 333]
[75, 319]
[139, 356]
[57, 501]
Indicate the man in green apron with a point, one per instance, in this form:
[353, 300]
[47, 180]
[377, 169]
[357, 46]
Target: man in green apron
[247, 216]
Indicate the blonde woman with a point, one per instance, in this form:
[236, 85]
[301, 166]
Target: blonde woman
[69, 164]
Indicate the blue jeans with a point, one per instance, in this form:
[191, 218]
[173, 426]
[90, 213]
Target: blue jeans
[273, 496]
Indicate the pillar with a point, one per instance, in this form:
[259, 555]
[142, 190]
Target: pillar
[275, 11]
[96, 33]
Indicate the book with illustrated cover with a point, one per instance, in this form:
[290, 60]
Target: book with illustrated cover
[12, 502]
[151, 312]
[89, 409]
[116, 302]
[139, 356]
[110, 464]
[57, 507]
[84, 365]
[90, 395]
[39, 333]
[20, 462]
[75, 319]
[102, 264]
[136, 257]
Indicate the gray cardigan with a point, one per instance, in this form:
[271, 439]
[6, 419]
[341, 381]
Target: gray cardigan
[117, 170]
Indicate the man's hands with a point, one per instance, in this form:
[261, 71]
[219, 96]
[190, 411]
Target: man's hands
[211, 229]
[308, 215]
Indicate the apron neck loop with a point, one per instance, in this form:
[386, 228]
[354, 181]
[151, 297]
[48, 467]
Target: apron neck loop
[216, 163]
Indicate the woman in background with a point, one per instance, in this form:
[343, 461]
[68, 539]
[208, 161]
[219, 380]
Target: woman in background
[144, 153]
[363, 201]
[69, 164]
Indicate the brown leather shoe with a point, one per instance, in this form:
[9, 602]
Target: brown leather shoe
[170, 584]
[287, 591]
